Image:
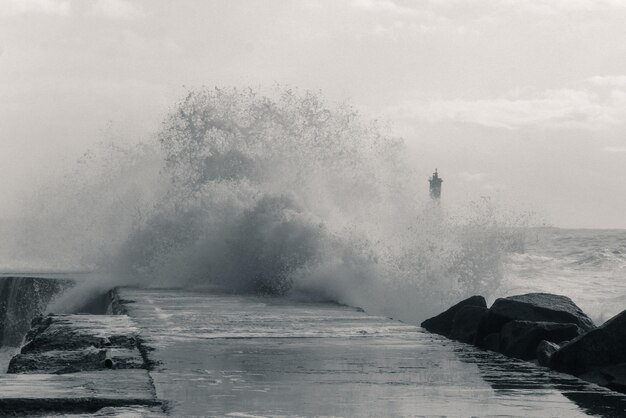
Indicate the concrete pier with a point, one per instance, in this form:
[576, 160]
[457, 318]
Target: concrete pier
[32, 394]
[187, 353]
[228, 355]
[60, 370]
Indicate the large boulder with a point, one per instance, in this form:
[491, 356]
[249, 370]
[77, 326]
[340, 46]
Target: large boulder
[538, 307]
[544, 352]
[520, 339]
[466, 322]
[613, 377]
[603, 346]
[442, 323]
[491, 341]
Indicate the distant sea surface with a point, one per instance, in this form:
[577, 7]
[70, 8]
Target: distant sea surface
[587, 265]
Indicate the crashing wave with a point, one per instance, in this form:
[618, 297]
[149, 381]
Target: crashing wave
[283, 193]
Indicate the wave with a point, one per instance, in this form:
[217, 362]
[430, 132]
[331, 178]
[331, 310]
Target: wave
[582, 249]
[283, 193]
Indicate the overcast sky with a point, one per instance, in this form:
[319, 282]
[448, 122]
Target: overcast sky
[521, 100]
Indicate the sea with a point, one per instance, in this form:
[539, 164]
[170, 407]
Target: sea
[587, 265]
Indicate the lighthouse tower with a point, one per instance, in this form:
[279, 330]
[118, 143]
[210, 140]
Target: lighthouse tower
[435, 186]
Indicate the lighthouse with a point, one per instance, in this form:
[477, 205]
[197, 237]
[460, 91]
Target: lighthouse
[435, 186]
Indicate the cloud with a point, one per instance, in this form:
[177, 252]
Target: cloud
[457, 16]
[545, 7]
[472, 177]
[608, 80]
[384, 6]
[396, 17]
[553, 108]
[49, 7]
[393, 19]
[112, 9]
[614, 149]
[116, 9]
[554, 7]
[485, 8]
[432, 24]
[311, 4]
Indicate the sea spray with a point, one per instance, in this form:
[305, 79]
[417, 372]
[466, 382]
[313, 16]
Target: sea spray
[73, 221]
[284, 194]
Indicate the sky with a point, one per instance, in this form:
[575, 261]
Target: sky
[522, 101]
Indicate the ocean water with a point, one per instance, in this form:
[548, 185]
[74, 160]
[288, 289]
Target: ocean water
[587, 265]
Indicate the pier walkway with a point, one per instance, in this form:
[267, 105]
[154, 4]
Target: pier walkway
[229, 355]
[185, 353]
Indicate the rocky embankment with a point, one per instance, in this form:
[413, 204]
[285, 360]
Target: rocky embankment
[541, 327]
[81, 363]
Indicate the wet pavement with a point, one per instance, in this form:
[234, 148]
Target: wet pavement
[230, 355]
[74, 391]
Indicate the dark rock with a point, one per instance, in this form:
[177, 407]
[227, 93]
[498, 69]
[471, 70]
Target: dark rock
[603, 346]
[544, 352]
[442, 323]
[466, 322]
[520, 339]
[491, 342]
[613, 377]
[539, 307]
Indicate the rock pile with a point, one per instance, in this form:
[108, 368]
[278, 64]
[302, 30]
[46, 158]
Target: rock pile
[546, 328]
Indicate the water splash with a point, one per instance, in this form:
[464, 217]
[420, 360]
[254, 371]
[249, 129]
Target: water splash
[283, 193]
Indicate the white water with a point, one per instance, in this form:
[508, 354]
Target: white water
[5, 357]
[278, 193]
[587, 265]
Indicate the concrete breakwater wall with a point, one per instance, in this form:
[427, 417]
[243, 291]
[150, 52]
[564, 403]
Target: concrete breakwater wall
[76, 364]
[187, 353]
[245, 355]
[63, 368]
[22, 299]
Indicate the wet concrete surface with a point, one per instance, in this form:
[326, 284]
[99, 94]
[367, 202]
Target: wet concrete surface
[228, 355]
[61, 370]
[30, 394]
